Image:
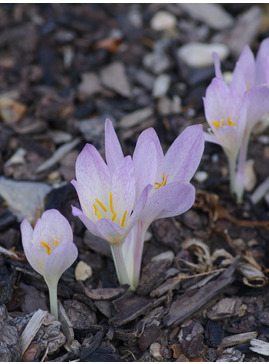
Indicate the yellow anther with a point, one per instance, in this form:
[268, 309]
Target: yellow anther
[248, 85]
[46, 246]
[101, 205]
[163, 183]
[111, 204]
[56, 242]
[97, 212]
[123, 218]
[230, 123]
[114, 217]
[95, 209]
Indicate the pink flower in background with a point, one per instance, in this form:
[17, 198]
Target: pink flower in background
[49, 248]
[233, 111]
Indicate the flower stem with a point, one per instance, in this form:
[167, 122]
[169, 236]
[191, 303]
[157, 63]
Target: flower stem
[232, 166]
[53, 300]
[239, 179]
[138, 251]
[119, 262]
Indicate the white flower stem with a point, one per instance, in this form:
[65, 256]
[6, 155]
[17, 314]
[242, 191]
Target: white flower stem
[53, 300]
[239, 179]
[119, 262]
[232, 167]
[138, 251]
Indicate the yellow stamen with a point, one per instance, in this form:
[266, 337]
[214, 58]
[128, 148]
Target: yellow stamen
[56, 242]
[248, 85]
[163, 183]
[123, 218]
[97, 212]
[230, 123]
[46, 246]
[101, 205]
[111, 204]
[95, 209]
[114, 217]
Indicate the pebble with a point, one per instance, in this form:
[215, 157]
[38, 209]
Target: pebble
[155, 351]
[250, 178]
[263, 139]
[145, 79]
[260, 191]
[17, 158]
[161, 85]
[163, 20]
[201, 176]
[167, 106]
[23, 198]
[168, 255]
[136, 117]
[212, 14]
[90, 84]
[83, 271]
[199, 55]
[11, 111]
[113, 77]
[259, 346]
[156, 62]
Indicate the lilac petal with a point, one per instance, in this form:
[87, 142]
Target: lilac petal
[92, 172]
[257, 104]
[51, 226]
[244, 72]
[60, 259]
[229, 139]
[217, 65]
[35, 256]
[141, 203]
[146, 164]
[123, 186]
[262, 63]
[183, 157]
[104, 228]
[170, 200]
[113, 149]
[211, 138]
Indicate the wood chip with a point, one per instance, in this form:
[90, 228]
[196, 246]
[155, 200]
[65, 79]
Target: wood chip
[259, 346]
[192, 301]
[58, 155]
[238, 339]
[105, 293]
[31, 329]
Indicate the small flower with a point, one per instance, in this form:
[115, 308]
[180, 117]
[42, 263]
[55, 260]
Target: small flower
[49, 248]
[233, 111]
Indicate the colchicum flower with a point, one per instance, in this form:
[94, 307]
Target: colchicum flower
[233, 111]
[50, 250]
[172, 193]
[149, 187]
[107, 195]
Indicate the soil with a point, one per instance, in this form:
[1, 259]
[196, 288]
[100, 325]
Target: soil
[64, 69]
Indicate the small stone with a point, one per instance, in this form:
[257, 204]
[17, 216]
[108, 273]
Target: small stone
[263, 139]
[136, 117]
[212, 14]
[156, 62]
[167, 106]
[177, 351]
[90, 84]
[161, 85]
[144, 79]
[11, 111]
[201, 176]
[250, 178]
[168, 255]
[17, 158]
[163, 20]
[83, 271]
[199, 55]
[155, 351]
[113, 77]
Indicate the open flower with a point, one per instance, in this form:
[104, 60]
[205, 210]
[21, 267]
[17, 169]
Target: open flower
[233, 111]
[172, 193]
[107, 195]
[49, 248]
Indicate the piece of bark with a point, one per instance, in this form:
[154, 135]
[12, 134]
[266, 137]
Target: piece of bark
[233, 340]
[192, 301]
[31, 329]
[105, 293]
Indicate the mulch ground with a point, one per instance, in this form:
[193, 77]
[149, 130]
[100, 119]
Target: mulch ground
[63, 70]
